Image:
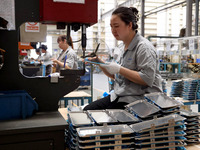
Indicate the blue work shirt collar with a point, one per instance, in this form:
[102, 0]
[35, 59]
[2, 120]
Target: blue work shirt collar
[134, 41]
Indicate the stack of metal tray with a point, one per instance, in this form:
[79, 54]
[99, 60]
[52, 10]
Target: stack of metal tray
[176, 88]
[143, 109]
[111, 137]
[161, 133]
[75, 120]
[191, 89]
[168, 105]
[193, 126]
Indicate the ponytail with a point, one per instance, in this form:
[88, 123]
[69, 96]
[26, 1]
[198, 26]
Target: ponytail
[64, 37]
[128, 15]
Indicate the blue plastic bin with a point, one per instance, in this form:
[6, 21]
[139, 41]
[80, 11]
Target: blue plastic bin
[85, 80]
[16, 105]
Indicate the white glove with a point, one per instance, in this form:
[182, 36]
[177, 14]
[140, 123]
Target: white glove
[112, 67]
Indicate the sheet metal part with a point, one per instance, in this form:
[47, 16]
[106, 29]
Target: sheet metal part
[138, 127]
[192, 126]
[162, 100]
[104, 145]
[189, 114]
[103, 139]
[122, 115]
[104, 130]
[100, 116]
[161, 136]
[157, 133]
[80, 119]
[142, 108]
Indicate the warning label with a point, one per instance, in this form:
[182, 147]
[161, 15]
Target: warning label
[32, 27]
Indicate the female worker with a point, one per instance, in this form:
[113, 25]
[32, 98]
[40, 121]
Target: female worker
[46, 59]
[67, 58]
[137, 72]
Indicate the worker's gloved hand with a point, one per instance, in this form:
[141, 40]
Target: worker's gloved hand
[112, 67]
[94, 60]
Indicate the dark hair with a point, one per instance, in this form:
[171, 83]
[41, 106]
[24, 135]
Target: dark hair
[128, 15]
[38, 50]
[64, 37]
[43, 47]
[182, 32]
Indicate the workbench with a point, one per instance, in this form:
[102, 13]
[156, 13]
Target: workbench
[173, 66]
[42, 131]
[79, 96]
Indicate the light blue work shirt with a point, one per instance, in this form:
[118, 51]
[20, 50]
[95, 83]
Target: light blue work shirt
[141, 57]
[69, 57]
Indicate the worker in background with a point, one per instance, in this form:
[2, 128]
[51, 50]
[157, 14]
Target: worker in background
[46, 59]
[138, 70]
[190, 59]
[39, 53]
[67, 58]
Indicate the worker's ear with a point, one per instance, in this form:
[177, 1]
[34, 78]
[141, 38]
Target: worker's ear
[130, 25]
[65, 40]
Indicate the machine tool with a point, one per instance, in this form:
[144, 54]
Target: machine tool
[44, 130]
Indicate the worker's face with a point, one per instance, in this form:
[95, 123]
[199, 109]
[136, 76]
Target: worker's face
[62, 44]
[119, 29]
[43, 51]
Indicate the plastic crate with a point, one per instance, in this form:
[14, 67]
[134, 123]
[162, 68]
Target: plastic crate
[85, 80]
[16, 105]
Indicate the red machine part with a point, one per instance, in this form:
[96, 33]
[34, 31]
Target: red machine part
[52, 12]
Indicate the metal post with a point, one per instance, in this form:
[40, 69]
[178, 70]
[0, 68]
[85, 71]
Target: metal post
[83, 41]
[188, 17]
[68, 32]
[142, 17]
[197, 17]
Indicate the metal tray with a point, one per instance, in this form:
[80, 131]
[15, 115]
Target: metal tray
[104, 139]
[122, 115]
[142, 108]
[105, 143]
[100, 116]
[162, 100]
[160, 136]
[79, 119]
[104, 130]
[189, 114]
[156, 122]
[158, 133]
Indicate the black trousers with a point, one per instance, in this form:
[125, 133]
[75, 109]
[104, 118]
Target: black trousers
[105, 103]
